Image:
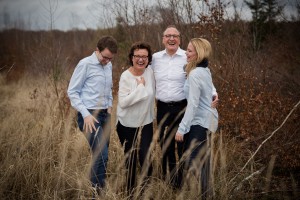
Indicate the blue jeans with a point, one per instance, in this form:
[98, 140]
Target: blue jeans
[98, 141]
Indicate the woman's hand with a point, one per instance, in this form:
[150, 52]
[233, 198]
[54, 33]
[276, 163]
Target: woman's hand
[140, 80]
[179, 137]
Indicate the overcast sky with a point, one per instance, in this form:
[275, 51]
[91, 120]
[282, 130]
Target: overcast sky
[69, 14]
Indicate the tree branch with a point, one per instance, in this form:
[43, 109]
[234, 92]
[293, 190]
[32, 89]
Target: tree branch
[268, 138]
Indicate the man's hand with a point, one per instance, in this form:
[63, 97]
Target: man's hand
[89, 125]
[215, 101]
[179, 137]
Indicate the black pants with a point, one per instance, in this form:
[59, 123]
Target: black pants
[128, 138]
[196, 150]
[170, 115]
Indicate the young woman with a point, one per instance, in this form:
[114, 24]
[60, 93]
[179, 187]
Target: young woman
[200, 117]
[135, 112]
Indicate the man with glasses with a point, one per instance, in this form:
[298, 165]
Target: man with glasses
[90, 93]
[168, 67]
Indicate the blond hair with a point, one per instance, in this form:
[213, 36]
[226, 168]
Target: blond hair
[203, 49]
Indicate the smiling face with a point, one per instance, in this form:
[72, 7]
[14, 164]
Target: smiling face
[140, 59]
[171, 40]
[191, 53]
[105, 56]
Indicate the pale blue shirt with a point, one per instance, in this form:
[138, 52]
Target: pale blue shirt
[91, 85]
[198, 89]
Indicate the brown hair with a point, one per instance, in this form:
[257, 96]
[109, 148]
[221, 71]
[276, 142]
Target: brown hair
[140, 45]
[107, 42]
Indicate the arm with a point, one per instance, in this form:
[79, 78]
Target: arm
[75, 87]
[127, 96]
[110, 101]
[193, 103]
[74, 90]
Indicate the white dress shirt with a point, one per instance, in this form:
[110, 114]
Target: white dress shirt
[169, 75]
[136, 102]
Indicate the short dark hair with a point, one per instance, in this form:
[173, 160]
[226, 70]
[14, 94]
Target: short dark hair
[140, 45]
[107, 42]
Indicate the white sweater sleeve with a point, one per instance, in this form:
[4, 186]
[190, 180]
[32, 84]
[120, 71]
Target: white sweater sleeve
[129, 95]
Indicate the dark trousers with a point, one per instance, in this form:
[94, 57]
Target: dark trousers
[197, 156]
[128, 138]
[170, 115]
[98, 141]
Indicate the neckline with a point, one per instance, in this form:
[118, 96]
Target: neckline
[131, 70]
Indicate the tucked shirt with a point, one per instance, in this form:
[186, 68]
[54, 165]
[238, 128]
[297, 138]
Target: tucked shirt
[198, 89]
[91, 85]
[170, 75]
[136, 101]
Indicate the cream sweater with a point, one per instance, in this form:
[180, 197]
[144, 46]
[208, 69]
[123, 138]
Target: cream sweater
[136, 102]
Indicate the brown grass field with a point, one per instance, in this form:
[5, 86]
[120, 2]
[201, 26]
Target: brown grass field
[45, 156]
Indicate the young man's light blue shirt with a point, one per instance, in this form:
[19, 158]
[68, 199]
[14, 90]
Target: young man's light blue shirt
[198, 89]
[91, 85]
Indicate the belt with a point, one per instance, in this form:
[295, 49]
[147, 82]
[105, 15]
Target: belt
[173, 103]
[97, 110]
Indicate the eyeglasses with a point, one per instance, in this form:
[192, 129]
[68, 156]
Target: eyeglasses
[174, 36]
[105, 58]
[137, 57]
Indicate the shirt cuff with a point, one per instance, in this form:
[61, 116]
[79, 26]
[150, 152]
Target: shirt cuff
[85, 113]
[182, 131]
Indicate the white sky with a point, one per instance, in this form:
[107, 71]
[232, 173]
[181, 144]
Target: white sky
[35, 14]
[81, 14]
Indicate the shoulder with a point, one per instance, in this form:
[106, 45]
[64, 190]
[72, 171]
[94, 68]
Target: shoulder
[196, 73]
[125, 73]
[200, 74]
[158, 54]
[125, 77]
[149, 70]
[109, 65]
[85, 62]
[181, 52]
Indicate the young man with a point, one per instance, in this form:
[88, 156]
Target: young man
[90, 93]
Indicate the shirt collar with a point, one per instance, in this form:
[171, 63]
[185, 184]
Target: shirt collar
[94, 58]
[179, 52]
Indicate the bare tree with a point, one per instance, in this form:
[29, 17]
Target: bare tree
[50, 7]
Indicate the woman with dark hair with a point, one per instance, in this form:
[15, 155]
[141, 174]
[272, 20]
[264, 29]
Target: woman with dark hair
[135, 113]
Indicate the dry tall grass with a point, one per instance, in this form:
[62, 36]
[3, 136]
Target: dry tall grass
[45, 156]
